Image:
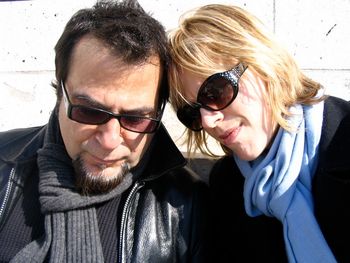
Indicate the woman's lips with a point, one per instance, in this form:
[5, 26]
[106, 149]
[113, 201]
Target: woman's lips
[230, 136]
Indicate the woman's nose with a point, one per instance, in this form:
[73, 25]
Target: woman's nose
[210, 119]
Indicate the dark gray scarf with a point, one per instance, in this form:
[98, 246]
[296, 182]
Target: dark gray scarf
[71, 228]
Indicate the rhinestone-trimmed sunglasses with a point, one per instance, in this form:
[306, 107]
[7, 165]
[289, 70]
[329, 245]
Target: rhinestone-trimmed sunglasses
[216, 93]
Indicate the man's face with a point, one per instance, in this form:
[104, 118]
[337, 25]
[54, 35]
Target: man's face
[102, 154]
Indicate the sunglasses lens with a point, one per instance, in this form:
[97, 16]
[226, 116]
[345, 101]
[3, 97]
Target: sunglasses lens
[216, 93]
[190, 117]
[88, 115]
[92, 116]
[138, 124]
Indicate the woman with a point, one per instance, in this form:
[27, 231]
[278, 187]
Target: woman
[282, 192]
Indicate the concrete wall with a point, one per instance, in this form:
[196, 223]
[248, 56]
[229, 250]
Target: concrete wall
[315, 31]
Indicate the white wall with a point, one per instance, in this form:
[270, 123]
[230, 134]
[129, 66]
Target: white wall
[315, 31]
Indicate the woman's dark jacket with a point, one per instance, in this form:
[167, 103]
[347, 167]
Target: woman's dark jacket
[240, 238]
[164, 210]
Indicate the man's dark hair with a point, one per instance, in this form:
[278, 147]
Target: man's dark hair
[124, 26]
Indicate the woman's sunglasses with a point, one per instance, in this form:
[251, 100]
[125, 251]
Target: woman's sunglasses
[216, 93]
[95, 116]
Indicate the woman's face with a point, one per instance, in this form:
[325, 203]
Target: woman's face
[246, 126]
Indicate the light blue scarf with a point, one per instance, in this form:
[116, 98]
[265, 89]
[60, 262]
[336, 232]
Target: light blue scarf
[279, 185]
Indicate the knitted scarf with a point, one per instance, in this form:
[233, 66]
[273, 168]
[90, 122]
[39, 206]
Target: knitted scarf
[71, 228]
[279, 185]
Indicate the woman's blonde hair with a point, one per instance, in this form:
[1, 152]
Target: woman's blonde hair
[214, 38]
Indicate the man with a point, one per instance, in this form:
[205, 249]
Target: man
[102, 181]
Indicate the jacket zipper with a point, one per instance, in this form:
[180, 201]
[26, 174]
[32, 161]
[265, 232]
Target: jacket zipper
[135, 188]
[7, 193]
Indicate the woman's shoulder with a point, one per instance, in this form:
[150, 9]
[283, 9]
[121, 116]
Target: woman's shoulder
[336, 123]
[222, 167]
[336, 105]
[225, 173]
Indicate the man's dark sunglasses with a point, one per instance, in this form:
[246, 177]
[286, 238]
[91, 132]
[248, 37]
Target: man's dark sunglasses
[94, 116]
[216, 93]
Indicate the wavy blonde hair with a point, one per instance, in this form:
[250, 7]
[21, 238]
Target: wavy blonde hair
[214, 38]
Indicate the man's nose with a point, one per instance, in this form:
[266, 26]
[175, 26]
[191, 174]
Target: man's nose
[109, 134]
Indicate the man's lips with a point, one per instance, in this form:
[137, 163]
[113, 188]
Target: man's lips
[105, 162]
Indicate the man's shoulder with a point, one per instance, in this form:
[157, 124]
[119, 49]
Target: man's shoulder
[12, 142]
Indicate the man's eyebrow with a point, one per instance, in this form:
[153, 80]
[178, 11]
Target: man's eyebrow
[85, 100]
[140, 111]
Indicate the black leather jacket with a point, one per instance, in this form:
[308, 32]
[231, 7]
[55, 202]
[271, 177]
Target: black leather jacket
[169, 203]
